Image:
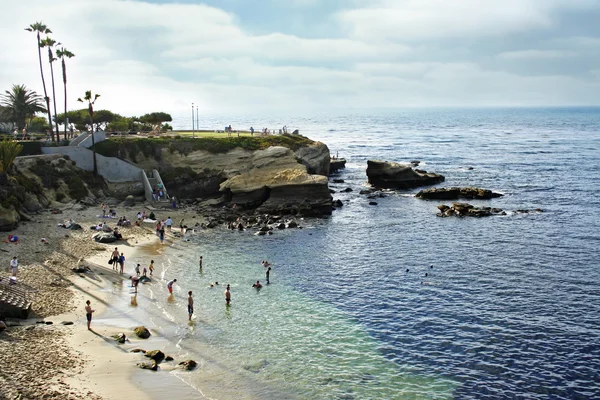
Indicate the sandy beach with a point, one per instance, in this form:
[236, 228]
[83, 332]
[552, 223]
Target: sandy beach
[57, 359]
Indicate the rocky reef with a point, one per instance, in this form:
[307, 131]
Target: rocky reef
[391, 175]
[454, 193]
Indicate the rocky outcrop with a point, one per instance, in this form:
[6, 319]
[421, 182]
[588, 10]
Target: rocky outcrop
[275, 183]
[104, 237]
[454, 193]
[336, 164]
[315, 157]
[391, 175]
[467, 210]
[9, 219]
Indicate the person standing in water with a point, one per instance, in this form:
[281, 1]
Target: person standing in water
[190, 305]
[200, 263]
[228, 295]
[88, 314]
[170, 285]
[267, 274]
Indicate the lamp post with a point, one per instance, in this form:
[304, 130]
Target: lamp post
[192, 119]
[197, 123]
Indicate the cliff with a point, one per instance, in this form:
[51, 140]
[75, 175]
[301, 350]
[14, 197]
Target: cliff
[285, 173]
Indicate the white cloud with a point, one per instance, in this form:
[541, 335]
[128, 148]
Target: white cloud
[535, 54]
[142, 57]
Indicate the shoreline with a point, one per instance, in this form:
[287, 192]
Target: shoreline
[66, 361]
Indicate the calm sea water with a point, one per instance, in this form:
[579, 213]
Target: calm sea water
[510, 308]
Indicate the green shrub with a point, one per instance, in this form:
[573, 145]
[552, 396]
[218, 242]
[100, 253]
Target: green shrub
[31, 148]
[60, 196]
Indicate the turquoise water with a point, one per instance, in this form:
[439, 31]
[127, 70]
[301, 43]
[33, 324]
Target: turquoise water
[283, 342]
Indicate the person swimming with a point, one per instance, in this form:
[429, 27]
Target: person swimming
[257, 285]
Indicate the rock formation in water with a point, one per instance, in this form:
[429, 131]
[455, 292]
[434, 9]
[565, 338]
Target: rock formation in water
[391, 175]
[454, 193]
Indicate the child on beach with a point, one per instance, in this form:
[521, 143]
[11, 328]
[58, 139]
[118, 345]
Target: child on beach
[151, 267]
[137, 270]
[190, 305]
[170, 285]
[121, 261]
[135, 281]
[144, 272]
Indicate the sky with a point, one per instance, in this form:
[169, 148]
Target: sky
[244, 56]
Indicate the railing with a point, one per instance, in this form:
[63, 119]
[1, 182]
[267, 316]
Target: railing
[156, 176]
[147, 186]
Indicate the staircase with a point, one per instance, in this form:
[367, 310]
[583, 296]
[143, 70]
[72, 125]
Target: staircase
[15, 299]
[150, 181]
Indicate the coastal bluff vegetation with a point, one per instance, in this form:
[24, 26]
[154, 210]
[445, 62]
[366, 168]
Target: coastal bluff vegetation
[284, 174]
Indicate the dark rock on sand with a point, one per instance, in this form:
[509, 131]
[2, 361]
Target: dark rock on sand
[188, 365]
[67, 323]
[104, 237]
[151, 365]
[138, 351]
[142, 332]
[392, 175]
[156, 355]
[168, 358]
[455, 193]
[120, 338]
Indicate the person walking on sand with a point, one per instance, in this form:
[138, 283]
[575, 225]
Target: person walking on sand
[115, 259]
[137, 270]
[122, 261]
[190, 305]
[161, 234]
[103, 207]
[228, 295]
[170, 285]
[169, 223]
[14, 266]
[181, 226]
[151, 267]
[88, 314]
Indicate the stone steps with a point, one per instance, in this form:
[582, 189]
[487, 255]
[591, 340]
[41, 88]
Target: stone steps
[15, 299]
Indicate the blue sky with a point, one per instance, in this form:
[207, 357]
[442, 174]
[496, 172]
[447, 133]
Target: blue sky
[258, 56]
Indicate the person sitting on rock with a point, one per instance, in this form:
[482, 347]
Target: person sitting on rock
[126, 222]
[117, 234]
[106, 228]
[120, 222]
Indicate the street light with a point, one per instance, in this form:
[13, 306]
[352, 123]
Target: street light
[197, 123]
[192, 119]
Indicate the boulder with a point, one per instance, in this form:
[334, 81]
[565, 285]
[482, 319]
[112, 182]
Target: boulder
[156, 355]
[142, 332]
[347, 190]
[129, 201]
[337, 203]
[467, 210]
[151, 365]
[188, 365]
[454, 193]
[337, 164]
[315, 157]
[292, 224]
[372, 203]
[120, 338]
[31, 202]
[75, 227]
[9, 219]
[168, 358]
[391, 175]
[104, 237]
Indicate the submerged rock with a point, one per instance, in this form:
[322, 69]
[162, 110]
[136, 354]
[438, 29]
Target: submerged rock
[188, 365]
[455, 193]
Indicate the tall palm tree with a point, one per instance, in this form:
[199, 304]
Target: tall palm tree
[50, 43]
[38, 28]
[21, 103]
[91, 100]
[63, 53]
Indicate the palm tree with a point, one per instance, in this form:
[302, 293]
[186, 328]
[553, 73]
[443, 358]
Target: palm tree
[21, 103]
[63, 53]
[38, 28]
[91, 100]
[49, 43]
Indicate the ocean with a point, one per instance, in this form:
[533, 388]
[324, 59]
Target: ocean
[510, 304]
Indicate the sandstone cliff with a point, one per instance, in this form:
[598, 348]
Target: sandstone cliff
[283, 174]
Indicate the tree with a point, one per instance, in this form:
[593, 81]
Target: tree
[63, 53]
[38, 124]
[156, 119]
[9, 150]
[91, 99]
[21, 103]
[50, 43]
[38, 28]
